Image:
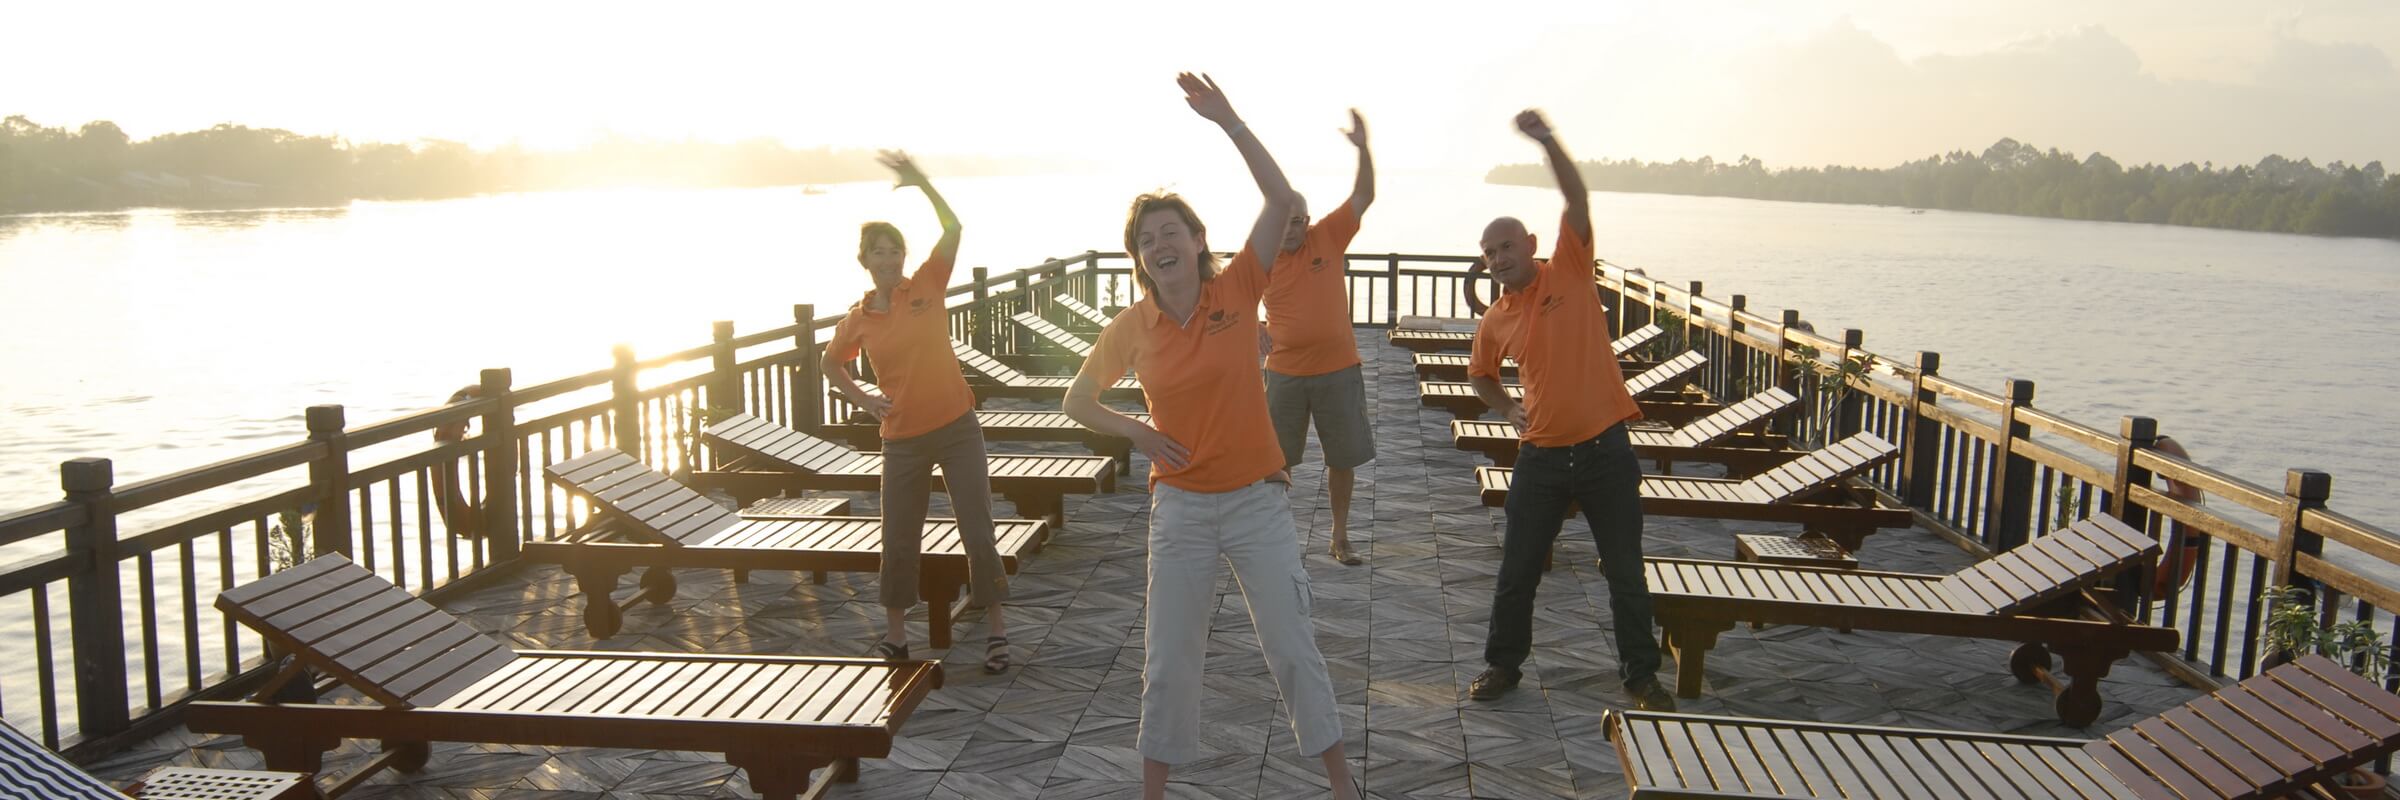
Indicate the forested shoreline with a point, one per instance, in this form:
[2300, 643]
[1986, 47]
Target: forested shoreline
[99, 167]
[2276, 194]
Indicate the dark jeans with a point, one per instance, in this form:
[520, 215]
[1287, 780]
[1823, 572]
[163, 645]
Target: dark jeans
[1603, 475]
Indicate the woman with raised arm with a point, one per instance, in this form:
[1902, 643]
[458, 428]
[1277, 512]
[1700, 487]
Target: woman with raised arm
[1218, 489]
[927, 417]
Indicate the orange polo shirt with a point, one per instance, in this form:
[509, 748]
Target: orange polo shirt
[1308, 301]
[1559, 334]
[909, 346]
[1200, 380]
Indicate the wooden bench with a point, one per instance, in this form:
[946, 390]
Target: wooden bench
[1811, 491]
[1462, 402]
[1075, 308]
[2279, 733]
[1050, 332]
[2030, 594]
[1453, 366]
[996, 379]
[30, 771]
[1009, 426]
[429, 677]
[1432, 341]
[758, 458]
[653, 523]
[1718, 438]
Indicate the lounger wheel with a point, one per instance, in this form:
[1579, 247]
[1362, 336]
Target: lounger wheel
[2079, 705]
[2029, 662]
[602, 618]
[658, 585]
[408, 756]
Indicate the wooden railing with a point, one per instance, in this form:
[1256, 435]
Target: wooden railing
[1990, 469]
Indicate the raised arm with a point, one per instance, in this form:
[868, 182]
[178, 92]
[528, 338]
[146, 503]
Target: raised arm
[1570, 179]
[907, 174]
[1266, 234]
[1363, 193]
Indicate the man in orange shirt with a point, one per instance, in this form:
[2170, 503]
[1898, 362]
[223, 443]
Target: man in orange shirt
[1575, 449]
[1312, 366]
[1218, 492]
[928, 418]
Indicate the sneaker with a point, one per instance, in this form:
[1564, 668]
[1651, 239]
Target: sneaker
[1649, 696]
[1494, 682]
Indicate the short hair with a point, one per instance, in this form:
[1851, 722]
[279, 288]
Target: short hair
[1164, 201]
[868, 233]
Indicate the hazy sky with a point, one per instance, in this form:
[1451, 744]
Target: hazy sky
[1868, 82]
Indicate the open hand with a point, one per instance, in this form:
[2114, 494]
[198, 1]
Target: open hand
[877, 405]
[904, 167]
[1202, 94]
[1358, 129]
[1162, 450]
[1530, 122]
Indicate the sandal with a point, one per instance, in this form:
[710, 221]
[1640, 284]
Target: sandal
[995, 655]
[889, 652]
[1344, 555]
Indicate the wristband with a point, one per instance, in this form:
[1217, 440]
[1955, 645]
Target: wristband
[1237, 129]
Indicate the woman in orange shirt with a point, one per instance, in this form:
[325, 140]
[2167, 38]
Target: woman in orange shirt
[1217, 486]
[927, 414]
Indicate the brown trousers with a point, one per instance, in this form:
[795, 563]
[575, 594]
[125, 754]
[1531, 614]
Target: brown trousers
[907, 491]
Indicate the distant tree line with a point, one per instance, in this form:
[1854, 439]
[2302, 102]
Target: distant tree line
[98, 166]
[2276, 194]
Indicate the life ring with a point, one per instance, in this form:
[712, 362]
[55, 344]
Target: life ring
[461, 517]
[1475, 271]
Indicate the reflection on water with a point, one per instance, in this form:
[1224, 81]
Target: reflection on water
[251, 217]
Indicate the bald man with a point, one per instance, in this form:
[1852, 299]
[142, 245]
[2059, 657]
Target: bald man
[1572, 424]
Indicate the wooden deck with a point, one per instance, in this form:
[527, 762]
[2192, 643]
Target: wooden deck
[1402, 635]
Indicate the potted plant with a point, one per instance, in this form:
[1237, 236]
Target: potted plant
[2292, 631]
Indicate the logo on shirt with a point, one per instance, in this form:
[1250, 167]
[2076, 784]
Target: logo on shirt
[1550, 301]
[1316, 264]
[916, 306]
[1217, 321]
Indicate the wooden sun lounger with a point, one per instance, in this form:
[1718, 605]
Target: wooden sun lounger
[2279, 733]
[1715, 439]
[1066, 341]
[1003, 426]
[2030, 594]
[1810, 490]
[1462, 402]
[1002, 380]
[1453, 366]
[654, 523]
[429, 677]
[767, 459]
[1433, 341]
[29, 770]
[1075, 308]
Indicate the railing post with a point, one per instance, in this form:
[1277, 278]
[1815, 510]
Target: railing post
[1691, 319]
[2008, 508]
[1785, 375]
[500, 465]
[1731, 358]
[625, 418]
[1391, 290]
[1921, 461]
[95, 601]
[329, 476]
[725, 379]
[1850, 414]
[1090, 286]
[979, 318]
[2303, 490]
[2134, 433]
[808, 398]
